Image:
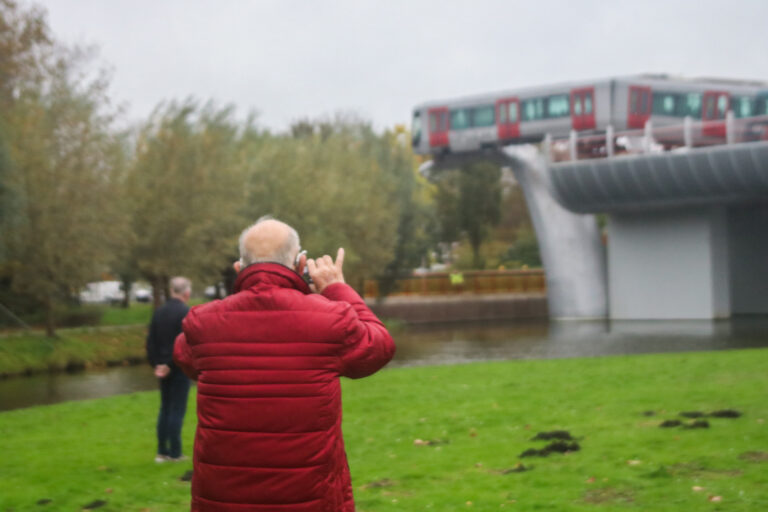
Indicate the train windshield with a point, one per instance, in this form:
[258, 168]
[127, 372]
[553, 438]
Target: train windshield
[416, 129]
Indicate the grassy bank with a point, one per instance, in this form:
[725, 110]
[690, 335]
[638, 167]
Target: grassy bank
[446, 438]
[74, 348]
[120, 336]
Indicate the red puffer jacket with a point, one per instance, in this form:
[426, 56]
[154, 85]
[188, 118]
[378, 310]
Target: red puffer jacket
[267, 361]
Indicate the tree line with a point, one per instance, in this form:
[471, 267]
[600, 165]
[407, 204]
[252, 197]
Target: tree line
[81, 199]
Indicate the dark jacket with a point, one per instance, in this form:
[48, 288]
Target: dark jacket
[267, 360]
[165, 326]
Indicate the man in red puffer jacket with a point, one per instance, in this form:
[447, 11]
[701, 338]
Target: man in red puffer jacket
[267, 361]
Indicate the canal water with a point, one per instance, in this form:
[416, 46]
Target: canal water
[445, 344]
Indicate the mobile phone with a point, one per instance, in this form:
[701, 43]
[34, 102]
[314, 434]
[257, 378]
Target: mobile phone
[305, 274]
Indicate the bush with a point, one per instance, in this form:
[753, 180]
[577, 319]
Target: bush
[77, 317]
[525, 250]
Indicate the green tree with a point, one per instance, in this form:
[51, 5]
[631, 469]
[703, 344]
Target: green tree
[61, 153]
[469, 204]
[416, 215]
[329, 185]
[24, 34]
[185, 194]
[25, 44]
[525, 249]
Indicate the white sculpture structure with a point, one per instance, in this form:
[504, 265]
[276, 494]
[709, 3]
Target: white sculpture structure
[570, 243]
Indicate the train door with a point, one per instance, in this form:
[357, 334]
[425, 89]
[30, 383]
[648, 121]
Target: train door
[583, 109]
[438, 127]
[639, 109]
[714, 105]
[508, 118]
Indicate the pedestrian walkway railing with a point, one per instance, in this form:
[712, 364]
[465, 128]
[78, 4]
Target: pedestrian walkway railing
[470, 282]
[657, 138]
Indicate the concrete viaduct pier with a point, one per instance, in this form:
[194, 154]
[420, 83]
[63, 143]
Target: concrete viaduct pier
[687, 232]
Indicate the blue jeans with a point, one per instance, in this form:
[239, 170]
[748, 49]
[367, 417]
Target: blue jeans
[173, 405]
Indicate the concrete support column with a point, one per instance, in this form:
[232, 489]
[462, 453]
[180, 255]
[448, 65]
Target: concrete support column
[748, 248]
[670, 264]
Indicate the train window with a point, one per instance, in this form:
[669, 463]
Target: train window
[533, 109]
[633, 103]
[666, 103]
[742, 106]
[558, 106]
[722, 105]
[691, 105]
[588, 103]
[416, 128]
[761, 106]
[502, 113]
[709, 107]
[438, 121]
[483, 116]
[577, 105]
[513, 115]
[460, 119]
[643, 102]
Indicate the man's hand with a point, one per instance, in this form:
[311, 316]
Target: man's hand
[325, 272]
[162, 371]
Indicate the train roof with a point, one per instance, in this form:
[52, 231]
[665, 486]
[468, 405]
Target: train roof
[659, 80]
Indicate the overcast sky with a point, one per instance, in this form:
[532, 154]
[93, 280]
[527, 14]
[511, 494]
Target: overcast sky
[295, 59]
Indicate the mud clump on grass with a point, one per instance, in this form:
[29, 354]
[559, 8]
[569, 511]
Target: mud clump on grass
[697, 424]
[725, 413]
[553, 447]
[670, 423]
[186, 477]
[94, 504]
[563, 447]
[44, 501]
[533, 452]
[553, 434]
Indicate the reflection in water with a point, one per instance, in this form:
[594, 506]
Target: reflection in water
[447, 344]
[535, 340]
[59, 387]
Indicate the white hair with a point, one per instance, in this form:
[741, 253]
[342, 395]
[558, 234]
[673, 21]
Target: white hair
[180, 285]
[284, 254]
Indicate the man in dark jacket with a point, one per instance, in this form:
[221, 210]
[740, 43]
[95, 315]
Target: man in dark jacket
[267, 360]
[174, 385]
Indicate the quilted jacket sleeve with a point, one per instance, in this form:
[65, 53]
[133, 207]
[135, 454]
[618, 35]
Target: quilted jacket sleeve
[182, 355]
[367, 346]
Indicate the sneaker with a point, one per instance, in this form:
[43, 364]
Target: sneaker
[159, 459]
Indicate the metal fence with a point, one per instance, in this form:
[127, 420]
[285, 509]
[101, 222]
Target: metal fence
[476, 281]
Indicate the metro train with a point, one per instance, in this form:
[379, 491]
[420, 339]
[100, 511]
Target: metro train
[527, 115]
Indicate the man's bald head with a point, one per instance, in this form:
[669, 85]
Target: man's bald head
[269, 240]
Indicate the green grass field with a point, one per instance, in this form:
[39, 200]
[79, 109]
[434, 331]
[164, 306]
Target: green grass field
[473, 422]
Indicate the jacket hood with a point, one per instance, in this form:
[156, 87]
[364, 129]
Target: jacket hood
[269, 273]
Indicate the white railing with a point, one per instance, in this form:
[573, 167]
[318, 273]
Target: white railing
[656, 139]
